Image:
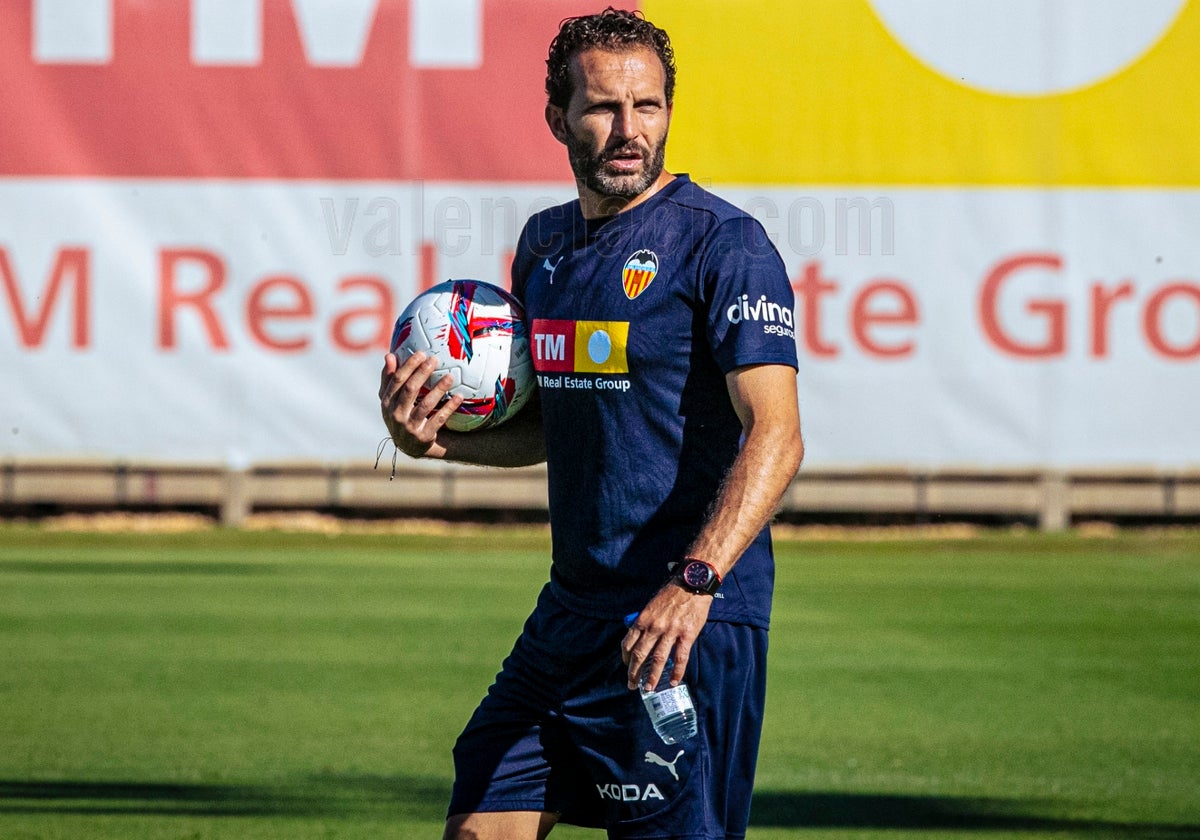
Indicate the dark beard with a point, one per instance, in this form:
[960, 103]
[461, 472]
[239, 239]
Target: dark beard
[589, 169]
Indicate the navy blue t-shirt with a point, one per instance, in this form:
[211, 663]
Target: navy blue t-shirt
[634, 320]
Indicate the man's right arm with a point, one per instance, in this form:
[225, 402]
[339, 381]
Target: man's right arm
[417, 424]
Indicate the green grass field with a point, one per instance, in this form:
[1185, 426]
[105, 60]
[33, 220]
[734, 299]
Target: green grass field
[270, 685]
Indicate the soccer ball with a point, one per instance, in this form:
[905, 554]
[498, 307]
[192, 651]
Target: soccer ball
[477, 333]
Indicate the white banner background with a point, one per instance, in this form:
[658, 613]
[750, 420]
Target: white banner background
[956, 399]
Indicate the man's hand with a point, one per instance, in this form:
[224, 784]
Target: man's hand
[668, 626]
[414, 420]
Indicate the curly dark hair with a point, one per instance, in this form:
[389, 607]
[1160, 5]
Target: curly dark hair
[614, 30]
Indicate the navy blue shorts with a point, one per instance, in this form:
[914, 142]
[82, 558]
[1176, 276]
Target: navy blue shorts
[559, 731]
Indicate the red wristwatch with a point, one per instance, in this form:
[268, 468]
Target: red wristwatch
[697, 576]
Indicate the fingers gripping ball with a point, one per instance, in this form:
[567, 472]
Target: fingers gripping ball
[476, 331]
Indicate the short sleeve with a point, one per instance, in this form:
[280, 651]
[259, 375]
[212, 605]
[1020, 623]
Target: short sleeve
[751, 307]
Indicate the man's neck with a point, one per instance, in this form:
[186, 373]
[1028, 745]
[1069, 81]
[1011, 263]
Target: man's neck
[593, 205]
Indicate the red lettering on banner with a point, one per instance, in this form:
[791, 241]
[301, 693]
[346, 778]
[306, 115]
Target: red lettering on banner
[1152, 322]
[507, 257]
[270, 302]
[299, 306]
[171, 298]
[809, 289]
[1054, 311]
[380, 315]
[427, 274]
[1102, 302]
[261, 89]
[864, 317]
[70, 266]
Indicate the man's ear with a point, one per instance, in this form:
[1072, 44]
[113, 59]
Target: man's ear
[557, 120]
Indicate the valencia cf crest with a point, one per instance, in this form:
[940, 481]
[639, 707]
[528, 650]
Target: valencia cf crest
[639, 272]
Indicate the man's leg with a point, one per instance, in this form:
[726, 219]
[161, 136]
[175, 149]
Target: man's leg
[500, 825]
[515, 771]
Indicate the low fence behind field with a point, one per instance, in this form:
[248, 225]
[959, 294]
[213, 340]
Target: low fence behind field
[1053, 500]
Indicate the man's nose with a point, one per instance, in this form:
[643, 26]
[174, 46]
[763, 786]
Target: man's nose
[625, 122]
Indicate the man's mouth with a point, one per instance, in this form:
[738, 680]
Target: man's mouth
[625, 159]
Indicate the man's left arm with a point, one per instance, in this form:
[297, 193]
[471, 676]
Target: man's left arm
[764, 397]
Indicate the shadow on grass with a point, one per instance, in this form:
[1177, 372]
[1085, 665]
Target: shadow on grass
[425, 798]
[784, 809]
[320, 796]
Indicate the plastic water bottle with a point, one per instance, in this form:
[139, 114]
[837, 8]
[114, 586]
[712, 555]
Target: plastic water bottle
[671, 710]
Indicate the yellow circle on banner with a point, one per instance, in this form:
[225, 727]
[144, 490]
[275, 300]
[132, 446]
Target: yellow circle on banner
[820, 92]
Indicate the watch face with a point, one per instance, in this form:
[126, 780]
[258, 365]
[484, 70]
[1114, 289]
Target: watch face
[697, 575]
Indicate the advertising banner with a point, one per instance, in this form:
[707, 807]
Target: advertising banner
[211, 212]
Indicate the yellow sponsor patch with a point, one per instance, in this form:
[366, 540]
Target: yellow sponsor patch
[600, 346]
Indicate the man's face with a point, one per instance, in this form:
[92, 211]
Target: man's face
[615, 127]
